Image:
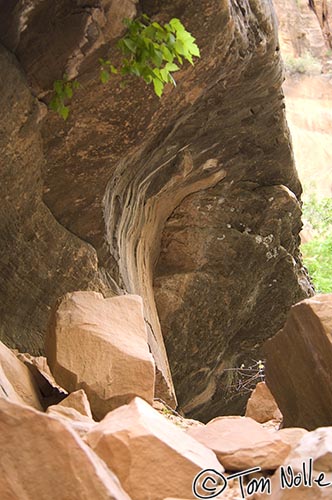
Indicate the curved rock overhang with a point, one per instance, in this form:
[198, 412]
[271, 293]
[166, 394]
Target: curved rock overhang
[192, 200]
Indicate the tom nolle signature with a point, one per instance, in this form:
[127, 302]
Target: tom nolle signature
[209, 483]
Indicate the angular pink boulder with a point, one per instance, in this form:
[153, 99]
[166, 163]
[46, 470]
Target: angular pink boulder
[152, 457]
[100, 345]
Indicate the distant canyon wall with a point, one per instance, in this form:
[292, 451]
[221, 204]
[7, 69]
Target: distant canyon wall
[308, 95]
[304, 26]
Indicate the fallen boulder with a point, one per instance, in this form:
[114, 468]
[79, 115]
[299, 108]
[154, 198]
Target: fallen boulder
[78, 400]
[74, 410]
[78, 422]
[311, 463]
[16, 382]
[241, 443]
[299, 364]
[317, 445]
[262, 406]
[43, 458]
[292, 435]
[152, 457]
[100, 345]
[51, 392]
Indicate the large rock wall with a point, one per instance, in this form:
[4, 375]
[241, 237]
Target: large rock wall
[192, 198]
[39, 259]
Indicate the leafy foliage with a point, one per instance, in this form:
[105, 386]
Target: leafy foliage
[317, 253]
[306, 64]
[152, 52]
[318, 212]
[63, 91]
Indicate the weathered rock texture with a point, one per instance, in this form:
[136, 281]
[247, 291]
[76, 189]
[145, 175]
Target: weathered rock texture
[323, 11]
[262, 406]
[151, 457]
[192, 198]
[42, 457]
[79, 401]
[40, 260]
[304, 26]
[308, 95]
[315, 447]
[292, 435]
[81, 424]
[50, 392]
[16, 382]
[309, 113]
[100, 345]
[241, 443]
[299, 364]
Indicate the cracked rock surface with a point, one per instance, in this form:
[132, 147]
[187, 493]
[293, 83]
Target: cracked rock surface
[191, 201]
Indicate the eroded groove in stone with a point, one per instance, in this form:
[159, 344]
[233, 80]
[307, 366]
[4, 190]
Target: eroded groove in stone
[229, 254]
[171, 194]
[135, 236]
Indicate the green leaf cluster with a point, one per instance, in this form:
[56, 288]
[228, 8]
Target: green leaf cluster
[152, 52]
[318, 212]
[317, 253]
[63, 92]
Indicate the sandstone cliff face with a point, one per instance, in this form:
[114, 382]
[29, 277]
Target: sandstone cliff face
[308, 95]
[304, 26]
[322, 10]
[192, 200]
[309, 114]
[40, 259]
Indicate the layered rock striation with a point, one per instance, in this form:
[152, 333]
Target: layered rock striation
[294, 377]
[191, 201]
